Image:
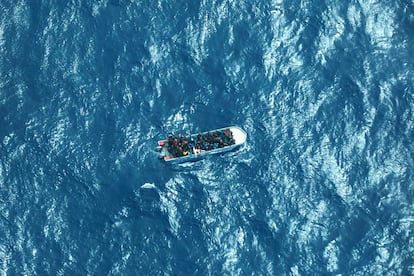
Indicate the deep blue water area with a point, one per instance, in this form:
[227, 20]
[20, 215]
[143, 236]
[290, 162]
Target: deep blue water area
[323, 186]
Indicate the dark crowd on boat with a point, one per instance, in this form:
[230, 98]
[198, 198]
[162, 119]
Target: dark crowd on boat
[181, 145]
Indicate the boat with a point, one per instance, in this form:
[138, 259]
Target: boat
[181, 148]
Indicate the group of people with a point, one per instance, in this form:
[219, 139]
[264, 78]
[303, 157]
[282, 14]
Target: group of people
[182, 145]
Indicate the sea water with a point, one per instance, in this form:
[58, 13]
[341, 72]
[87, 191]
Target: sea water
[324, 185]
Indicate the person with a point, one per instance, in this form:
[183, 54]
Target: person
[170, 141]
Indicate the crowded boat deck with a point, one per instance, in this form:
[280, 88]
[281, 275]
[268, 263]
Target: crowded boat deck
[190, 147]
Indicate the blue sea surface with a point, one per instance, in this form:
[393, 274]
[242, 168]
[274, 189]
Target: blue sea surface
[323, 186]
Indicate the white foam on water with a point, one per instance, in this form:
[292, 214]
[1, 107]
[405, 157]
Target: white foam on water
[394, 165]
[2, 38]
[169, 201]
[222, 11]
[333, 31]
[331, 253]
[406, 225]
[178, 121]
[314, 107]
[207, 22]
[75, 65]
[49, 37]
[178, 117]
[354, 15]
[198, 51]
[2, 182]
[230, 254]
[274, 110]
[231, 35]
[210, 19]
[397, 158]
[383, 255]
[58, 134]
[233, 70]
[282, 55]
[379, 23]
[98, 6]
[227, 240]
[20, 16]
[155, 53]
[7, 138]
[132, 140]
[158, 87]
[119, 265]
[386, 95]
[386, 258]
[334, 171]
[267, 265]
[20, 92]
[273, 55]
[294, 271]
[5, 259]
[127, 96]
[54, 227]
